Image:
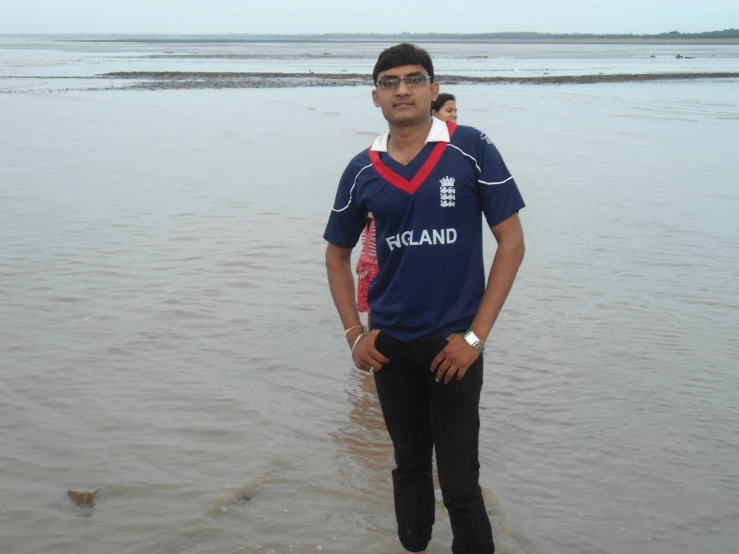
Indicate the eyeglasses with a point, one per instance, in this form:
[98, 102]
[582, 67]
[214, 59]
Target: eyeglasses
[410, 80]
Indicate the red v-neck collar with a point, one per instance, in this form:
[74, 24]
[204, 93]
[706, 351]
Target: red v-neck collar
[412, 186]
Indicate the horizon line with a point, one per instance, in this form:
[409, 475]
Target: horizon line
[496, 34]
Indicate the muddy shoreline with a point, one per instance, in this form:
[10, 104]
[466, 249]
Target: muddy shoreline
[163, 80]
[173, 80]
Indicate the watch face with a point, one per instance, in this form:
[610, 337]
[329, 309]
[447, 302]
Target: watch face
[471, 338]
[473, 341]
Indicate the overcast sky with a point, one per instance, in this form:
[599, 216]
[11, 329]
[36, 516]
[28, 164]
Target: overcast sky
[354, 16]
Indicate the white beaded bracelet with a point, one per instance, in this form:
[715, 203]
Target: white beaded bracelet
[357, 340]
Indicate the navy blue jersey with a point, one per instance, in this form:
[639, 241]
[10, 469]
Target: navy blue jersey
[428, 218]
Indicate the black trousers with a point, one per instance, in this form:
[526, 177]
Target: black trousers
[422, 415]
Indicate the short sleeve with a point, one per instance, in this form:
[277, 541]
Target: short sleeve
[499, 194]
[348, 218]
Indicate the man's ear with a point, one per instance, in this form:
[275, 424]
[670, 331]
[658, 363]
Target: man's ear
[375, 99]
[434, 91]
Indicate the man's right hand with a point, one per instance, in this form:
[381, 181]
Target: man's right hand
[366, 357]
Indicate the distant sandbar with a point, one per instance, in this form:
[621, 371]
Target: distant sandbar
[160, 80]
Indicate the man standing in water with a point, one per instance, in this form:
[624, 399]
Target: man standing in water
[428, 183]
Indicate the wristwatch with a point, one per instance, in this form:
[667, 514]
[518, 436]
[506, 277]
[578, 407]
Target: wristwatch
[474, 342]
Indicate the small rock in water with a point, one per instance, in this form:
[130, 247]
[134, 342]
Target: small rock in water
[83, 499]
[243, 495]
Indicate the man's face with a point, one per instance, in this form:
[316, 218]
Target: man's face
[404, 103]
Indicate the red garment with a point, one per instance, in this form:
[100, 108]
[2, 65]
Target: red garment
[367, 268]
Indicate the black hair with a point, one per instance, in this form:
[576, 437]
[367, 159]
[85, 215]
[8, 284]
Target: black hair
[442, 99]
[403, 54]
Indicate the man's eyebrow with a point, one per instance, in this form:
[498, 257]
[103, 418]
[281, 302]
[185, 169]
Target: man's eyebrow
[395, 76]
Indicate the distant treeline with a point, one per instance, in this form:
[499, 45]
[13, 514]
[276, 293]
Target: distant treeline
[727, 33]
[457, 37]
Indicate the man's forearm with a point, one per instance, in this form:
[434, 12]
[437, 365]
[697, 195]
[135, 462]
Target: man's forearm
[507, 260]
[341, 283]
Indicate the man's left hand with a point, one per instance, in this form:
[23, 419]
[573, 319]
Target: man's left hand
[455, 359]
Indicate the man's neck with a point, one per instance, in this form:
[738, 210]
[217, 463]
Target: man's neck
[407, 140]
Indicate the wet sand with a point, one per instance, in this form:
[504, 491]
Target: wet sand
[160, 80]
[193, 80]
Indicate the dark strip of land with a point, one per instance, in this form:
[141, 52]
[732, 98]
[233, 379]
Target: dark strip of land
[669, 37]
[215, 80]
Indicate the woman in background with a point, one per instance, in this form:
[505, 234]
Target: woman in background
[367, 268]
[445, 107]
